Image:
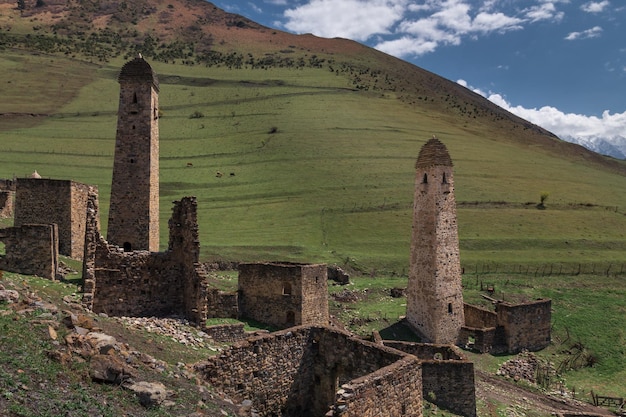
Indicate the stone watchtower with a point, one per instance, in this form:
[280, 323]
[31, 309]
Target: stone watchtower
[134, 211]
[434, 293]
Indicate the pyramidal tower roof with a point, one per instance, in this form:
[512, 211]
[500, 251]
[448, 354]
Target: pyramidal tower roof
[434, 152]
[138, 70]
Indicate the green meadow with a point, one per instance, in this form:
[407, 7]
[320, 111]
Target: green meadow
[295, 164]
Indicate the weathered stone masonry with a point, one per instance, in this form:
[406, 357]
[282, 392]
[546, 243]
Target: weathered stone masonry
[511, 328]
[434, 292]
[142, 283]
[284, 294]
[6, 203]
[60, 202]
[316, 371]
[134, 211]
[31, 249]
[447, 376]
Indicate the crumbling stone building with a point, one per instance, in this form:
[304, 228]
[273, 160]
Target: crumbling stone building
[143, 283]
[511, 328]
[311, 371]
[60, 202]
[284, 294]
[434, 292]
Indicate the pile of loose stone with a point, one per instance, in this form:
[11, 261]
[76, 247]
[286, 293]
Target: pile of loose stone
[525, 366]
[179, 329]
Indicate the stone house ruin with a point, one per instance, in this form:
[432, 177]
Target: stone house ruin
[49, 219]
[284, 294]
[143, 283]
[60, 202]
[313, 371]
[510, 329]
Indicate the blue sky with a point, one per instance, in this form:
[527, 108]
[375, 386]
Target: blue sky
[558, 63]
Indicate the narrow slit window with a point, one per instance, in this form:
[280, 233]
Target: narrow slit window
[425, 179]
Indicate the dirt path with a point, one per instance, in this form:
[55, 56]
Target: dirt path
[492, 389]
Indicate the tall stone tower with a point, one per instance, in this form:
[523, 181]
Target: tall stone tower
[434, 293]
[134, 211]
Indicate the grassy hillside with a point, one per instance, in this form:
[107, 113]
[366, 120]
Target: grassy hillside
[314, 169]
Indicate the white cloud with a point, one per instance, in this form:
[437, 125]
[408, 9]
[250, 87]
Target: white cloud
[564, 125]
[545, 11]
[412, 28]
[255, 7]
[595, 6]
[594, 32]
[353, 19]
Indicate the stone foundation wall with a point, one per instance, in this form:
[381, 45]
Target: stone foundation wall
[284, 294]
[6, 204]
[226, 333]
[143, 283]
[300, 371]
[526, 326]
[447, 376]
[60, 202]
[32, 249]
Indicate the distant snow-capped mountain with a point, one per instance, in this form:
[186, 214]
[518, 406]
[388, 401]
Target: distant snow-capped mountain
[614, 147]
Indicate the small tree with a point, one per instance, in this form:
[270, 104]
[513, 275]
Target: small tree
[542, 199]
[21, 4]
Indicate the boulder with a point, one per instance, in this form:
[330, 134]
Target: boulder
[109, 369]
[9, 296]
[150, 394]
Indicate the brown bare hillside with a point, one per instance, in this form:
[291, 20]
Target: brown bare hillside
[199, 28]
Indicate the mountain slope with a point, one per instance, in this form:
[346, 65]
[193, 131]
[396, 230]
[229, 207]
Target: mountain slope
[320, 137]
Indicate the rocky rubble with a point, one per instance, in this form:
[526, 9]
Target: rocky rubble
[179, 329]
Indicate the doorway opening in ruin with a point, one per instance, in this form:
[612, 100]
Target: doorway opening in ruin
[291, 318]
[127, 247]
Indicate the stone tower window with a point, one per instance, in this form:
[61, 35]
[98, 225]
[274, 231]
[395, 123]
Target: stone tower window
[286, 288]
[449, 308]
[445, 180]
[425, 179]
[291, 318]
[128, 247]
[135, 98]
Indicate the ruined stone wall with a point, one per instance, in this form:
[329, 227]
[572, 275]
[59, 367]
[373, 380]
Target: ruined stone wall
[447, 376]
[479, 339]
[142, 283]
[31, 249]
[6, 204]
[526, 326]
[274, 371]
[284, 294]
[392, 391]
[226, 333]
[222, 304]
[62, 202]
[479, 317]
[299, 372]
